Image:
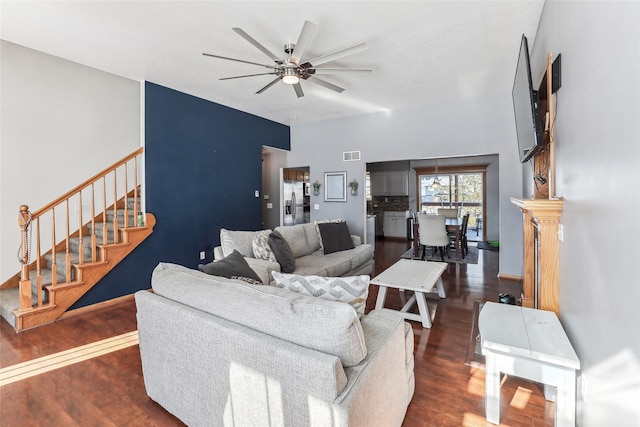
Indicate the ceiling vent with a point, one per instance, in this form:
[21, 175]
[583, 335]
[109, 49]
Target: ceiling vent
[351, 156]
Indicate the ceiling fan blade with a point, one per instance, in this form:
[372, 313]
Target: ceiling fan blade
[276, 80]
[246, 75]
[303, 40]
[325, 84]
[321, 71]
[254, 42]
[338, 54]
[237, 60]
[298, 88]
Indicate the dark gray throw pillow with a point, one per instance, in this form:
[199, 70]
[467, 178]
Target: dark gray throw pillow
[283, 253]
[335, 237]
[231, 266]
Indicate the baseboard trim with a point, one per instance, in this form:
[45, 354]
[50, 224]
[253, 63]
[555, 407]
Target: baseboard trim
[510, 277]
[94, 307]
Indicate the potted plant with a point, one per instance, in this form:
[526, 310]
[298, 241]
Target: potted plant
[316, 188]
[354, 187]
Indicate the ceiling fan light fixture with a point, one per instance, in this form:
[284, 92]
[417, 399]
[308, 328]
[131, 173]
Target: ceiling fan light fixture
[290, 77]
[290, 80]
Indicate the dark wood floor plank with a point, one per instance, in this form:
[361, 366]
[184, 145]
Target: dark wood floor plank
[109, 390]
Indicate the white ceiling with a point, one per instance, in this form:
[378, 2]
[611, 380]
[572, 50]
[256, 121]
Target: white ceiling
[420, 51]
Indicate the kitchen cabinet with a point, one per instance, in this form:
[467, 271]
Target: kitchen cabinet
[395, 224]
[294, 175]
[395, 183]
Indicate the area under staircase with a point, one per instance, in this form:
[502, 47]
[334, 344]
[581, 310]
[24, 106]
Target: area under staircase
[105, 212]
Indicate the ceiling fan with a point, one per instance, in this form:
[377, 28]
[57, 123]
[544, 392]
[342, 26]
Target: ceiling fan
[292, 69]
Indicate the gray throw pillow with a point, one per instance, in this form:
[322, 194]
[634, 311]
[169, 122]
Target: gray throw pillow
[335, 237]
[283, 252]
[232, 266]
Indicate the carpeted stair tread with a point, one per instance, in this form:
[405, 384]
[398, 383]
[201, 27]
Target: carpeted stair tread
[10, 300]
[120, 214]
[86, 245]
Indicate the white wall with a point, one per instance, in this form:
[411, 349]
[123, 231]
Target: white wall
[598, 170]
[455, 128]
[61, 123]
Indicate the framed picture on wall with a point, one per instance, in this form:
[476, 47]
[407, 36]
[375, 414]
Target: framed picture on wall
[335, 186]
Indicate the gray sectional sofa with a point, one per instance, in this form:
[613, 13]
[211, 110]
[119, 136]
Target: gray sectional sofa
[305, 245]
[223, 352]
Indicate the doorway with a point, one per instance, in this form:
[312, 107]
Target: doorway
[462, 187]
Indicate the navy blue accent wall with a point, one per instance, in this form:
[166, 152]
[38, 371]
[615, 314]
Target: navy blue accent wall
[203, 163]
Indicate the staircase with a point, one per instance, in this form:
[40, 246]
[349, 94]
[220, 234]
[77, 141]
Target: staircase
[56, 279]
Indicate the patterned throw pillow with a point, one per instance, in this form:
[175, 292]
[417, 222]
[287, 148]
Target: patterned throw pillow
[248, 280]
[322, 222]
[352, 290]
[261, 247]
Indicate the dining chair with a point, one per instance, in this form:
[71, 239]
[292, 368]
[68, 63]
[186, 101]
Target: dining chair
[432, 232]
[448, 212]
[464, 246]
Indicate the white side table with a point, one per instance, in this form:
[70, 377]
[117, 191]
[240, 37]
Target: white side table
[530, 344]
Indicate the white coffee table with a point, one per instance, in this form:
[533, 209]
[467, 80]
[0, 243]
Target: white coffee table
[417, 276]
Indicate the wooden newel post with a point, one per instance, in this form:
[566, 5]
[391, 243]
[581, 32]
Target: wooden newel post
[24, 220]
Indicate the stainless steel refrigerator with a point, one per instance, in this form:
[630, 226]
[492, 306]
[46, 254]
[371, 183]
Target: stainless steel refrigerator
[293, 203]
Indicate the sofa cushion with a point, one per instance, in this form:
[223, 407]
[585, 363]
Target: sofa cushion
[302, 238]
[335, 237]
[323, 265]
[232, 266]
[351, 290]
[261, 246]
[359, 255]
[281, 313]
[282, 251]
[242, 241]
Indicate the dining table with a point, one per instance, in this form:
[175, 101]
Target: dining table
[452, 225]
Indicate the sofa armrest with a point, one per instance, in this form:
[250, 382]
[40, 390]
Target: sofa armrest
[383, 376]
[357, 241]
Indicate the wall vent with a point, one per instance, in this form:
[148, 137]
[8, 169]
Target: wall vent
[351, 156]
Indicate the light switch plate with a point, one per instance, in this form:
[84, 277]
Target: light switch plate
[316, 207]
[269, 205]
[202, 255]
[257, 193]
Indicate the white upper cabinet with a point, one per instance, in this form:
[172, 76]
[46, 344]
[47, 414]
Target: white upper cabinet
[394, 183]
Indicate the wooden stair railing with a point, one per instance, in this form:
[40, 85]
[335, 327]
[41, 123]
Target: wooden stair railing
[100, 240]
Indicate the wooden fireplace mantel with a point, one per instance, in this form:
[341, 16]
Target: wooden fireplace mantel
[540, 218]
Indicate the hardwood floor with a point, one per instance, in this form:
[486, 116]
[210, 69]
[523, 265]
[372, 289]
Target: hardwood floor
[108, 390]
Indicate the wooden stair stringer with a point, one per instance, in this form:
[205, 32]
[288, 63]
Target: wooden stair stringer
[64, 295]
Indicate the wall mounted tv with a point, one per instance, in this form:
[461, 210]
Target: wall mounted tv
[529, 124]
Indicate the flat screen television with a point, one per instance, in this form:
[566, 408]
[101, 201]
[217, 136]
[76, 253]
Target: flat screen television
[529, 124]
